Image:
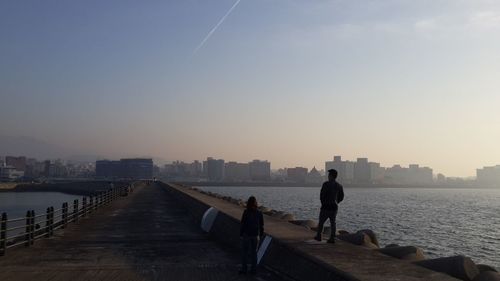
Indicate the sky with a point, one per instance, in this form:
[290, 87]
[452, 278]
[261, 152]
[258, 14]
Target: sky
[291, 81]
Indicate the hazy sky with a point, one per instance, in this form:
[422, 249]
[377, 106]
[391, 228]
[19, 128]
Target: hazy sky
[291, 81]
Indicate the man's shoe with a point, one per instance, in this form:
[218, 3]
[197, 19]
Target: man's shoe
[317, 238]
[253, 271]
[242, 272]
[331, 241]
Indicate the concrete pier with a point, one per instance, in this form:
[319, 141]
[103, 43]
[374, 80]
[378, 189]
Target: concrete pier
[148, 235]
[154, 234]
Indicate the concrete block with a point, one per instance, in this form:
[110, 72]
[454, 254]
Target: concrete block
[457, 266]
[405, 253]
[487, 276]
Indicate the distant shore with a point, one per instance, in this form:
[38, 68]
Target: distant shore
[287, 184]
[85, 188]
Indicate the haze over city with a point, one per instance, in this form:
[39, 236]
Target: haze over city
[294, 82]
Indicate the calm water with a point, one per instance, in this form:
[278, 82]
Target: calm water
[443, 222]
[15, 204]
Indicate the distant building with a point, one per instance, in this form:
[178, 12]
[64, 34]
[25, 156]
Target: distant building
[260, 170]
[345, 169]
[414, 175]
[297, 174]
[135, 168]
[362, 171]
[315, 176]
[181, 170]
[489, 176]
[108, 169]
[237, 172]
[19, 163]
[10, 173]
[215, 169]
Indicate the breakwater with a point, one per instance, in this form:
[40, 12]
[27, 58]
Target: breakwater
[366, 245]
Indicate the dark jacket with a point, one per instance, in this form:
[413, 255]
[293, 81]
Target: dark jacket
[252, 223]
[332, 193]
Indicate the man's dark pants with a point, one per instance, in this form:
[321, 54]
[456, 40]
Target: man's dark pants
[249, 246]
[323, 216]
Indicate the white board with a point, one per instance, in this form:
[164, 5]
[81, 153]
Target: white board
[208, 219]
[263, 248]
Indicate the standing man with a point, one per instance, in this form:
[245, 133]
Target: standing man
[332, 193]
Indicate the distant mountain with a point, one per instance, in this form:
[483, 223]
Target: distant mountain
[31, 147]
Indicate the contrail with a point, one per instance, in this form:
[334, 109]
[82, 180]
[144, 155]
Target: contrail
[216, 26]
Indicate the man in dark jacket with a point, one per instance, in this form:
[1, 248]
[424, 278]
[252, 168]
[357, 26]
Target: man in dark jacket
[332, 193]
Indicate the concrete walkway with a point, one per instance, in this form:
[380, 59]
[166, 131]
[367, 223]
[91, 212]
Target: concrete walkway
[146, 236]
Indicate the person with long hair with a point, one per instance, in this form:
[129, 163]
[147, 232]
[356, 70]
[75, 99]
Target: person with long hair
[252, 228]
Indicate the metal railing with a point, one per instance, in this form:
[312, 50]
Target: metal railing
[25, 231]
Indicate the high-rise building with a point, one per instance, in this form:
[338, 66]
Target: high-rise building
[362, 171]
[215, 169]
[345, 169]
[19, 163]
[260, 170]
[489, 176]
[236, 172]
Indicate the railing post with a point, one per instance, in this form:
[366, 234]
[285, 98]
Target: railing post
[28, 229]
[51, 226]
[47, 223]
[3, 234]
[64, 214]
[84, 206]
[75, 210]
[91, 199]
[32, 234]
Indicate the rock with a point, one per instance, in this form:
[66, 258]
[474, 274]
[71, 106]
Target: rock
[391, 246]
[457, 266]
[309, 224]
[264, 209]
[410, 253]
[487, 276]
[278, 214]
[371, 234]
[341, 232]
[355, 238]
[288, 217]
[484, 267]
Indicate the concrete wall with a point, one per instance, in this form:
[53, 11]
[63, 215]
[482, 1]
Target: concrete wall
[291, 255]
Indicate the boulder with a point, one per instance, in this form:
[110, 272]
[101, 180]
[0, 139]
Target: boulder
[487, 276]
[457, 266]
[371, 234]
[288, 217]
[359, 238]
[391, 246]
[264, 209]
[410, 253]
[278, 214]
[484, 267]
[270, 212]
[309, 224]
[341, 231]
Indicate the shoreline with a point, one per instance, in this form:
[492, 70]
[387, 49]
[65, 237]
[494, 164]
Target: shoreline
[310, 185]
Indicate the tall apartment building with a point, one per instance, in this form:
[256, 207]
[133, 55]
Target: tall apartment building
[260, 170]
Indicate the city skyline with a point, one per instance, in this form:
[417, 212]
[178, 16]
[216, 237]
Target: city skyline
[160, 161]
[397, 81]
